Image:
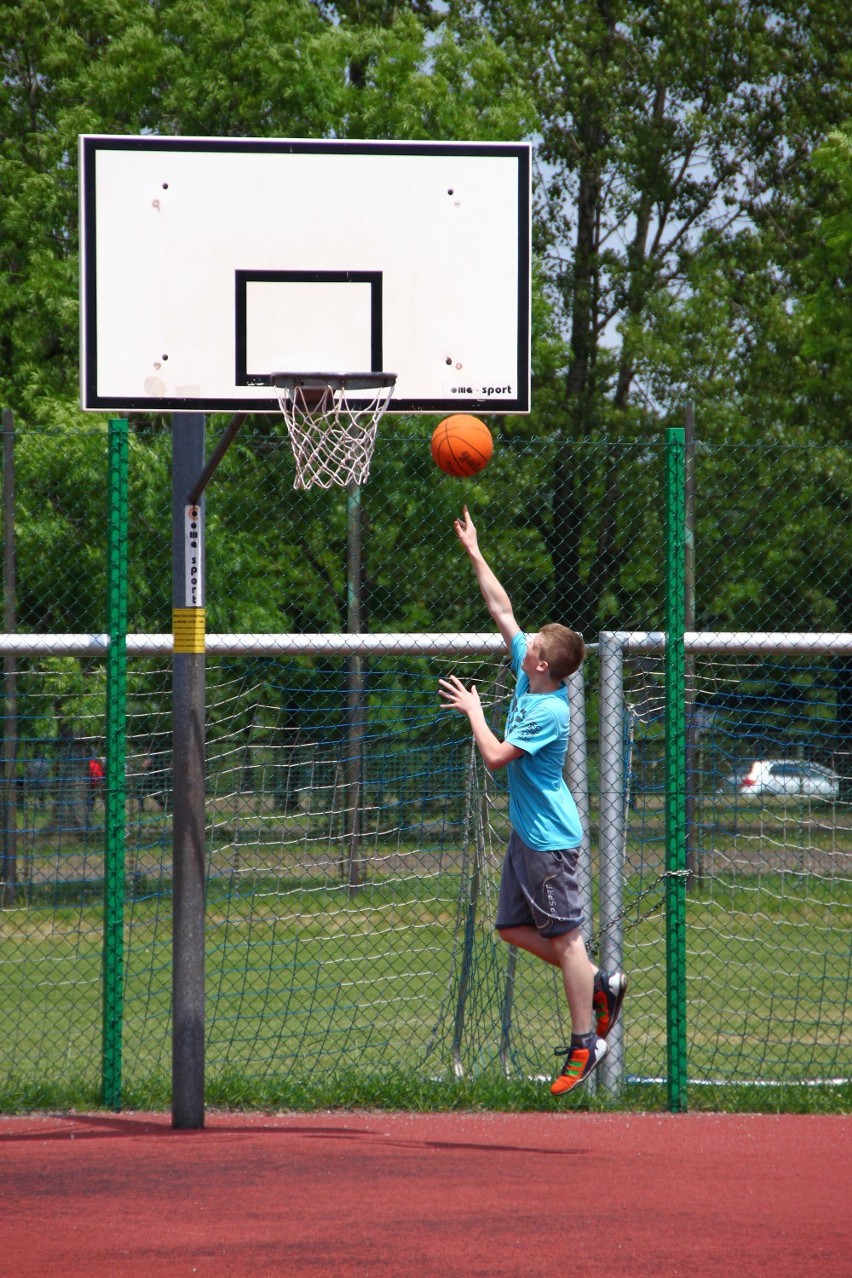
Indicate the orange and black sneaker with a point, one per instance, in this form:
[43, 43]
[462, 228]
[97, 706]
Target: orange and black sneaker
[583, 1055]
[610, 988]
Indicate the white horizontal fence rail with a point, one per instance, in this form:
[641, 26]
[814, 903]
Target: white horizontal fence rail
[735, 641]
[414, 644]
[267, 645]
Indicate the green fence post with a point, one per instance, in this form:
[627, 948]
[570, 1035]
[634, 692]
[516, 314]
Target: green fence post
[675, 674]
[116, 729]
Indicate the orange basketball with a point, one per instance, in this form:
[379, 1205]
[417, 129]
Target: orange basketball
[461, 444]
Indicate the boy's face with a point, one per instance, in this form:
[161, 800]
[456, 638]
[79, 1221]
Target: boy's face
[532, 656]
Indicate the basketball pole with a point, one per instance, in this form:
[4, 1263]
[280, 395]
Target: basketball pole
[352, 871]
[188, 731]
[228, 437]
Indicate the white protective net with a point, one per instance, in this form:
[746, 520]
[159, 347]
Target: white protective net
[331, 434]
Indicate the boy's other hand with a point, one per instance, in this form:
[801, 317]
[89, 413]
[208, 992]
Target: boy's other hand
[457, 697]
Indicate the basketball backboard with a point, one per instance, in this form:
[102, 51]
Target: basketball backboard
[208, 263]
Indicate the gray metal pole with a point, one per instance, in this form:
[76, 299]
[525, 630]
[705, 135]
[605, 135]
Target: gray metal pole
[353, 866]
[188, 728]
[577, 777]
[612, 825]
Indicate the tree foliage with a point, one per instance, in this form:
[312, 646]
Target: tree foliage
[826, 289]
[670, 209]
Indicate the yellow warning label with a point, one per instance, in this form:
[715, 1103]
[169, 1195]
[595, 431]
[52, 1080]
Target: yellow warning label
[188, 628]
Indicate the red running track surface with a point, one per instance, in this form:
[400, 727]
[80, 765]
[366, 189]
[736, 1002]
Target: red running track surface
[426, 1195]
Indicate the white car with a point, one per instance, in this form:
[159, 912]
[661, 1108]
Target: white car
[766, 777]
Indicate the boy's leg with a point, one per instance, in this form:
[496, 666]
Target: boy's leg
[539, 892]
[609, 987]
[585, 1051]
[578, 977]
[530, 939]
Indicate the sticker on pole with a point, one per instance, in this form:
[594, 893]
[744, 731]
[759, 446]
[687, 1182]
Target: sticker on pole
[189, 629]
[193, 557]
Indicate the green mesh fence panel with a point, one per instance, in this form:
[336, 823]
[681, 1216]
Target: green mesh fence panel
[770, 847]
[51, 926]
[353, 841]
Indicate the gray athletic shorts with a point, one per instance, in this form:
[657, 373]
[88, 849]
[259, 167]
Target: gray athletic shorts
[539, 888]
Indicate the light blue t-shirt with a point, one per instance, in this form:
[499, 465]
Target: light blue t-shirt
[541, 807]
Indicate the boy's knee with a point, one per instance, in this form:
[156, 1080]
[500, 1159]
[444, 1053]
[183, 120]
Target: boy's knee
[565, 941]
[509, 935]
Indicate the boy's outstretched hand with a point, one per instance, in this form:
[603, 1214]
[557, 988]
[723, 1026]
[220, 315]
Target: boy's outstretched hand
[466, 531]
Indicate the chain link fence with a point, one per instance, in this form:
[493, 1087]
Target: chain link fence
[353, 841]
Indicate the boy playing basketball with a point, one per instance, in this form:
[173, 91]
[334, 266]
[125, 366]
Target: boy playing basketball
[539, 903]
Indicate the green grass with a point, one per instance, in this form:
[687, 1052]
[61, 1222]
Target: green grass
[410, 1091]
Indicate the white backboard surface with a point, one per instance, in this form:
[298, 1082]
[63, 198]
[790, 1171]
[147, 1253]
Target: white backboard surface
[207, 264]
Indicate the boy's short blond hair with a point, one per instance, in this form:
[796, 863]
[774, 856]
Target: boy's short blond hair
[562, 649]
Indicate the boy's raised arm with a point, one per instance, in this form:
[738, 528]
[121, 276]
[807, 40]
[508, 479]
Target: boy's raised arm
[496, 599]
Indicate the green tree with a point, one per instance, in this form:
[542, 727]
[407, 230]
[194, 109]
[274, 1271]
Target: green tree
[666, 131]
[824, 324]
[826, 299]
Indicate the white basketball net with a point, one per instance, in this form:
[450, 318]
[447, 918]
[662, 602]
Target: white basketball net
[332, 439]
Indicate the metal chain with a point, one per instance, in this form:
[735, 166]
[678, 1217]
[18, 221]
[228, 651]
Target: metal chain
[593, 943]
